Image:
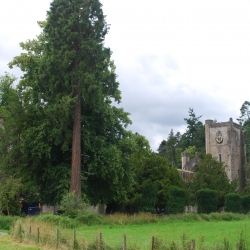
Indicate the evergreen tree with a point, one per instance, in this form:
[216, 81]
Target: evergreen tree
[195, 134]
[171, 149]
[74, 64]
[211, 174]
[153, 168]
[69, 85]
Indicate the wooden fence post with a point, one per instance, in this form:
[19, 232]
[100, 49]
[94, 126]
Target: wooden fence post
[74, 243]
[30, 233]
[124, 242]
[57, 238]
[153, 243]
[193, 244]
[38, 235]
[100, 247]
[20, 234]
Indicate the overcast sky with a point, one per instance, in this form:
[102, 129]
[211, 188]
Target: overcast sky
[170, 56]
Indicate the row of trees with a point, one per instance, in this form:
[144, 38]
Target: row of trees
[62, 128]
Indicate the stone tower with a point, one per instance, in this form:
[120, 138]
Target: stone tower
[225, 141]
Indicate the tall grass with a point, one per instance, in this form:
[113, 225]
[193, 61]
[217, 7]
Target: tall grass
[145, 218]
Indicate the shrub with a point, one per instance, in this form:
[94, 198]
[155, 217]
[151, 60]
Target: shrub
[206, 201]
[245, 203]
[176, 202]
[71, 202]
[232, 203]
[149, 198]
[6, 222]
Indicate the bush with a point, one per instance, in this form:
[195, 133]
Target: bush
[206, 201]
[176, 202]
[71, 203]
[149, 198]
[232, 203]
[245, 203]
[6, 222]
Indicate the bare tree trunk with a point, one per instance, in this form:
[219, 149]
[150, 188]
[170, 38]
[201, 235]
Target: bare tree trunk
[75, 183]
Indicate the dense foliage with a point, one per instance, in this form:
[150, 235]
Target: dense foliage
[68, 65]
[206, 201]
[149, 167]
[211, 174]
[176, 202]
[148, 198]
[245, 203]
[63, 129]
[193, 139]
[232, 203]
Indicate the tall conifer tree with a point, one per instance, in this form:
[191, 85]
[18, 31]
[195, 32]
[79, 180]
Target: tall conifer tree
[74, 61]
[69, 85]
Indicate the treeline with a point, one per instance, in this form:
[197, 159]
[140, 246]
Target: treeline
[192, 141]
[120, 171]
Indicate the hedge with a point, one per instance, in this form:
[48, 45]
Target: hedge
[206, 201]
[245, 203]
[232, 203]
[176, 202]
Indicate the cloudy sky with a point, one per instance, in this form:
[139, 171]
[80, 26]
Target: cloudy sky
[170, 56]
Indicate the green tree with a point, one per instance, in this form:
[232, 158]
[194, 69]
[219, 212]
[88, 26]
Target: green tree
[171, 150]
[13, 156]
[195, 134]
[211, 175]
[10, 187]
[149, 198]
[70, 88]
[74, 63]
[245, 120]
[157, 170]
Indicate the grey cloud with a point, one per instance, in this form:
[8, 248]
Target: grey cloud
[156, 106]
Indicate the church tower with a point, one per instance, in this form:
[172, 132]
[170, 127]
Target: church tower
[225, 141]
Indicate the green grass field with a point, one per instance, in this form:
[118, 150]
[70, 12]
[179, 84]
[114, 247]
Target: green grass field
[176, 232]
[206, 234]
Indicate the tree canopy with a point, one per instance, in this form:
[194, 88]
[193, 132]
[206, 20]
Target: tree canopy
[69, 91]
[193, 138]
[211, 175]
[150, 169]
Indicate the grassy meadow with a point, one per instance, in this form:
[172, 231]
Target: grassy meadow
[214, 231]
